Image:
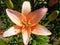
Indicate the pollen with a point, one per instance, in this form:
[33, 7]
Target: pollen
[27, 24]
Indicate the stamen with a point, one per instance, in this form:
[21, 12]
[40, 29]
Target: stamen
[27, 24]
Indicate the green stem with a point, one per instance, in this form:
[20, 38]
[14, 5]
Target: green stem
[46, 23]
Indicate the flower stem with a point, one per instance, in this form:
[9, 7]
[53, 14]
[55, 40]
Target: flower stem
[46, 23]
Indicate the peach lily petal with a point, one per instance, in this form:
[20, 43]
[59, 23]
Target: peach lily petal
[26, 35]
[14, 16]
[26, 8]
[12, 31]
[36, 16]
[40, 30]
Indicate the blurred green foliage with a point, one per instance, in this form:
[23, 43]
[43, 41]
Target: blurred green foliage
[53, 26]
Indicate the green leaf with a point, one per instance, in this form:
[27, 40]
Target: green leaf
[34, 42]
[2, 42]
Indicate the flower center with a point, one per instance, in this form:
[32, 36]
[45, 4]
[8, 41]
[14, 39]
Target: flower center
[27, 24]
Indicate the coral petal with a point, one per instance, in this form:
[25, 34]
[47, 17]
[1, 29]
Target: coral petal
[12, 31]
[14, 16]
[36, 16]
[26, 36]
[41, 30]
[26, 8]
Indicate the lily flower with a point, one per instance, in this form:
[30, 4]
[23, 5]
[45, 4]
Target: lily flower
[26, 22]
